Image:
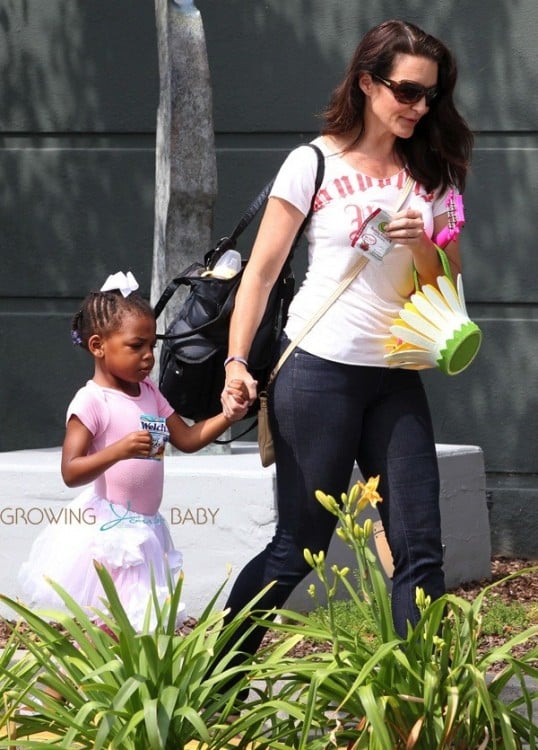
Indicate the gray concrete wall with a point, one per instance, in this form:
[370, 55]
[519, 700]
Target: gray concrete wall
[77, 154]
[221, 511]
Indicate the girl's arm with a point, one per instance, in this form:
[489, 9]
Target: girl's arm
[80, 467]
[191, 438]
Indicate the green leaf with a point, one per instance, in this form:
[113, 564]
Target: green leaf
[115, 604]
[155, 740]
[375, 711]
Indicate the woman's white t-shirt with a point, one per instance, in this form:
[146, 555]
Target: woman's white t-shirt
[355, 329]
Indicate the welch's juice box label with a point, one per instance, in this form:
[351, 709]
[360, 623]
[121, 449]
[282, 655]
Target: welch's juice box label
[160, 435]
[372, 242]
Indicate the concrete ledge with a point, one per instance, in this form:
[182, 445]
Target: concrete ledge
[221, 511]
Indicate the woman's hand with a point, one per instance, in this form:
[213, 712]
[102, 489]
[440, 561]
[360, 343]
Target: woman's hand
[235, 399]
[406, 228]
[240, 390]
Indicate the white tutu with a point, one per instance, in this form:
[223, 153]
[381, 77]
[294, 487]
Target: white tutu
[131, 547]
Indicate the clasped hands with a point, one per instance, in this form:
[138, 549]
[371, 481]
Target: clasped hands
[236, 399]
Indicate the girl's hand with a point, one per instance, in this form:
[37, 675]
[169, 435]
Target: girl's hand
[244, 388]
[237, 401]
[135, 445]
[81, 467]
[238, 390]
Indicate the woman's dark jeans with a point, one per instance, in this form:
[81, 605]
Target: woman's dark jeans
[325, 417]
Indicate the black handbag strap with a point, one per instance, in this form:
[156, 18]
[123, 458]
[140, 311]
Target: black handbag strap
[320, 172]
[224, 310]
[227, 243]
[171, 288]
[227, 441]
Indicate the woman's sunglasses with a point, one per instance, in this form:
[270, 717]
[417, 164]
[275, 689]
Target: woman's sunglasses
[409, 92]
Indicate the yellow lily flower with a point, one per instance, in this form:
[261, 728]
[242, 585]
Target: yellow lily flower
[369, 493]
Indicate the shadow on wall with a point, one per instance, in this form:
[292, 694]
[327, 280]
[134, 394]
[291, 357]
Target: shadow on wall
[272, 92]
[80, 84]
[80, 91]
[316, 39]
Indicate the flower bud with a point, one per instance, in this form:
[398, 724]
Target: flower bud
[354, 493]
[319, 559]
[342, 534]
[328, 502]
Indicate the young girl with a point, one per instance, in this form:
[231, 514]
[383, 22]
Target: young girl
[117, 425]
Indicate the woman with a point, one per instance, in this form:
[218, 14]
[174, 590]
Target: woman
[335, 401]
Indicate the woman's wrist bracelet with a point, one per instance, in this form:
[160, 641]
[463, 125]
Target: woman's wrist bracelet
[235, 359]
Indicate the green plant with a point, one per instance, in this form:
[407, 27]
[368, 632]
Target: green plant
[346, 619]
[500, 618]
[432, 690]
[118, 689]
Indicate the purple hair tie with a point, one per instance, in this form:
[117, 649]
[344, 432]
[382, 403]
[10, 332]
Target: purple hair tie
[76, 337]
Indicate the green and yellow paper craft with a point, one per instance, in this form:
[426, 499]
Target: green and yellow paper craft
[434, 330]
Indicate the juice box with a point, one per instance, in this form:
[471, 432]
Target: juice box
[372, 241]
[156, 426]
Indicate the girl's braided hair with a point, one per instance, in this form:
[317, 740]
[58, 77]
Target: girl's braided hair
[102, 313]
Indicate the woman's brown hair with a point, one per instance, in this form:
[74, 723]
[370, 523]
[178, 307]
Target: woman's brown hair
[438, 153]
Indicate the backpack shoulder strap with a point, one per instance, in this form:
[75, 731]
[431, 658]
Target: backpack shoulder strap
[165, 297]
[227, 243]
[320, 173]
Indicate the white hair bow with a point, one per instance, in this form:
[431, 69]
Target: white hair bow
[124, 282]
